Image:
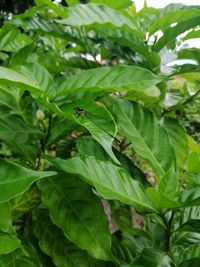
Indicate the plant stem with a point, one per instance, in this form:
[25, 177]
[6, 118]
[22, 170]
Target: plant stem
[43, 144]
[168, 232]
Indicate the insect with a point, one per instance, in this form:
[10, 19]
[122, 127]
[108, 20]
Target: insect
[83, 113]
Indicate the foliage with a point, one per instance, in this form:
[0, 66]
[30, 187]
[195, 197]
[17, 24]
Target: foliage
[117, 183]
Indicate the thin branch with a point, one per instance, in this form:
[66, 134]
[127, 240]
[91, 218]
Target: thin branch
[43, 144]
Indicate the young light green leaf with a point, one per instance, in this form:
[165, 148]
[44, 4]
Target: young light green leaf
[8, 243]
[15, 179]
[148, 137]
[169, 184]
[5, 218]
[193, 162]
[162, 201]
[79, 213]
[110, 181]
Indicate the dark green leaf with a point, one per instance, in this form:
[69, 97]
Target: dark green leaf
[15, 179]
[152, 258]
[63, 252]
[79, 213]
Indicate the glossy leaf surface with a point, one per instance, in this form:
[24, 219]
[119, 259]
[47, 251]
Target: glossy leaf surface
[147, 136]
[110, 181]
[15, 179]
[52, 241]
[113, 79]
[79, 213]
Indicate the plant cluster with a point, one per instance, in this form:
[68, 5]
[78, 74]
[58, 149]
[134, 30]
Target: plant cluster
[99, 156]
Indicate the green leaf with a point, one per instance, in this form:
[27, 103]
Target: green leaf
[9, 98]
[191, 53]
[191, 35]
[113, 79]
[63, 252]
[8, 243]
[122, 214]
[25, 202]
[40, 76]
[124, 250]
[169, 184]
[172, 32]
[13, 41]
[15, 179]
[23, 258]
[155, 228]
[79, 213]
[146, 134]
[186, 255]
[193, 162]
[132, 169]
[97, 15]
[5, 218]
[178, 139]
[124, 38]
[13, 127]
[162, 201]
[110, 181]
[89, 147]
[114, 4]
[190, 196]
[185, 216]
[99, 123]
[38, 24]
[12, 78]
[185, 237]
[152, 258]
[172, 13]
